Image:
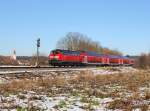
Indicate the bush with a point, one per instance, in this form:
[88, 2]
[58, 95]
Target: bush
[7, 61]
[143, 61]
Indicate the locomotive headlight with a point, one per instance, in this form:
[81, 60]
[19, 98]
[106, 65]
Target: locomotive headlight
[56, 57]
[51, 57]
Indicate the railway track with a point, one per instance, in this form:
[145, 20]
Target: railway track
[11, 70]
[8, 74]
[20, 70]
[11, 73]
[23, 67]
[41, 67]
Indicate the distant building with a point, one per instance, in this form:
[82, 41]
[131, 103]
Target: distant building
[14, 55]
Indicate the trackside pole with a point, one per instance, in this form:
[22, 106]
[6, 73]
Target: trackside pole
[38, 46]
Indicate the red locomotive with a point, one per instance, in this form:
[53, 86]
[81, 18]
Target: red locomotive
[60, 57]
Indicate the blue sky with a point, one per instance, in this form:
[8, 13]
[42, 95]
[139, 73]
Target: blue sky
[117, 24]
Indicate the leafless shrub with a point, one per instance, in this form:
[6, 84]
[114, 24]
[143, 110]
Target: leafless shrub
[5, 60]
[43, 60]
[143, 61]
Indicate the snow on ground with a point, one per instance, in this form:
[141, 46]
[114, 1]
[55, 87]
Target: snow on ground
[61, 103]
[43, 102]
[113, 70]
[30, 100]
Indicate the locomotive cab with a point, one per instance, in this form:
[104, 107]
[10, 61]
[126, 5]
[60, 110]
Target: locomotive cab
[60, 57]
[55, 57]
[55, 54]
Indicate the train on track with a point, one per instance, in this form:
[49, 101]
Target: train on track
[60, 58]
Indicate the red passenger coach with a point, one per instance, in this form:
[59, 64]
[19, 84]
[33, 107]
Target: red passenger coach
[115, 60]
[131, 62]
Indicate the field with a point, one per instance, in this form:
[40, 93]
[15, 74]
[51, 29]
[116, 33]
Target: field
[98, 90]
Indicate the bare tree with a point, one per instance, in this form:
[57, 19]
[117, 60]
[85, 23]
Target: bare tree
[78, 41]
[110, 51]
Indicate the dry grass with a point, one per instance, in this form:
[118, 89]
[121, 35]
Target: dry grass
[85, 83]
[128, 104]
[147, 95]
[120, 104]
[4, 60]
[85, 80]
[31, 85]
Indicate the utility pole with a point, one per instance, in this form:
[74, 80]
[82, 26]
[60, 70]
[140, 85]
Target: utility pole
[38, 46]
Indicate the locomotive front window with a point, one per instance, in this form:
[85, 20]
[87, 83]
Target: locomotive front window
[55, 52]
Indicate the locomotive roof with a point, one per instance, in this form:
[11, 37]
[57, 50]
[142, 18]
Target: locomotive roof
[67, 51]
[117, 56]
[93, 53]
[89, 53]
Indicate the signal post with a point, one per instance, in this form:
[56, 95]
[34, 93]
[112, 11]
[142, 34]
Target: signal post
[38, 46]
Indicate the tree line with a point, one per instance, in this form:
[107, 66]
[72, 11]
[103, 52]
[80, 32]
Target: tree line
[78, 41]
[143, 61]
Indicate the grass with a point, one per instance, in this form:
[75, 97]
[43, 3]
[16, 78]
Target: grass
[35, 98]
[147, 95]
[120, 104]
[88, 85]
[90, 103]
[129, 103]
[75, 93]
[21, 109]
[21, 96]
[61, 104]
[83, 81]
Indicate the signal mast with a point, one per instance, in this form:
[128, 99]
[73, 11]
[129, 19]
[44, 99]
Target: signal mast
[38, 46]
